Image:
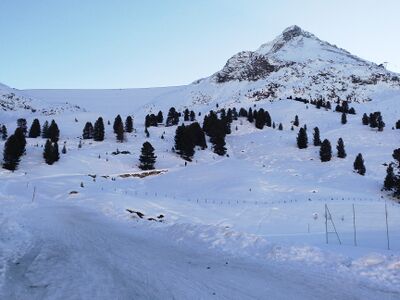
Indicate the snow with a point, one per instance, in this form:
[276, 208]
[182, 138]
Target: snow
[246, 226]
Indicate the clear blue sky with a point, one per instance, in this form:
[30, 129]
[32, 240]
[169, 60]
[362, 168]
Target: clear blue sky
[128, 43]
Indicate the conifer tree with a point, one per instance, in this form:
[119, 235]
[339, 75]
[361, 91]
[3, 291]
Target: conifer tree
[4, 132]
[218, 142]
[147, 158]
[119, 132]
[11, 158]
[296, 121]
[172, 118]
[53, 132]
[260, 119]
[50, 153]
[365, 119]
[316, 139]
[267, 119]
[341, 152]
[250, 116]
[302, 139]
[88, 131]
[390, 179]
[35, 129]
[325, 152]
[160, 117]
[21, 123]
[192, 116]
[45, 130]
[129, 124]
[280, 127]
[64, 149]
[184, 142]
[117, 124]
[186, 115]
[344, 118]
[146, 132]
[98, 130]
[359, 166]
[20, 140]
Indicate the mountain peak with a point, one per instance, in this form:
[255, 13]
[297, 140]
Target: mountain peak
[294, 31]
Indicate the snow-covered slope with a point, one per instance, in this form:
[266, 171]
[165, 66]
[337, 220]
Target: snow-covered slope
[16, 102]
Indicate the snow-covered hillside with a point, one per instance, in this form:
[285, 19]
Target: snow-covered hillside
[250, 225]
[14, 101]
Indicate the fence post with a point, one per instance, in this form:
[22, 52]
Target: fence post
[387, 226]
[354, 226]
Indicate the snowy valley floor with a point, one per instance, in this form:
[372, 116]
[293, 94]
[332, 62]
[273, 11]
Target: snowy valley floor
[86, 255]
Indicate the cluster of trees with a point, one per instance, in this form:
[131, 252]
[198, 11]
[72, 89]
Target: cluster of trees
[374, 120]
[187, 137]
[120, 128]
[189, 115]
[15, 145]
[392, 179]
[173, 117]
[344, 108]
[51, 131]
[325, 151]
[217, 128]
[95, 132]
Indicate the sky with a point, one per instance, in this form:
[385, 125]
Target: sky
[129, 43]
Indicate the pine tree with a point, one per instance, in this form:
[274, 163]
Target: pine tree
[45, 130]
[47, 152]
[302, 139]
[260, 119]
[98, 130]
[20, 140]
[341, 152]
[325, 152]
[267, 119]
[11, 158]
[64, 149]
[344, 118]
[172, 118]
[218, 142]
[186, 115]
[53, 132]
[21, 123]
[192, 116]
[146, 131]
[316, 139]
[390, 179]
[35, 129]
[280, 127]
[250, 116]
[147, 158]
[129, 124]
[359, 166]
[296, 121]
[50, 153]
[160, 117]
[88, 131]
[119, 131]
[117, 124]
[184, 142]
[4, 132]
[365, 119]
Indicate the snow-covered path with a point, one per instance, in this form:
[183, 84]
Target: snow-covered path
[78, 253]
